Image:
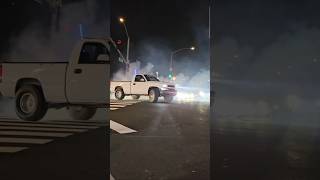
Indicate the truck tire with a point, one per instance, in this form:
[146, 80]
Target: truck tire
[30, 103]
[81, 112]
[119, 94]
[154, 95]
[168, 99]
[135, 97]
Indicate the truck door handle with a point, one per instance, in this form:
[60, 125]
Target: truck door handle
[77, 71]
[134, 83]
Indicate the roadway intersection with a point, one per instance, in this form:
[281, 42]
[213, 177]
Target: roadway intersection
[163, 141]
[147, 141]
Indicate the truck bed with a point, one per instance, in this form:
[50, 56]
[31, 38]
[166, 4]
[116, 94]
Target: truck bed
[51, 75]
[126, 86]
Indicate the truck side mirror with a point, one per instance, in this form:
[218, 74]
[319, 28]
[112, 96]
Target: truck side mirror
[103, 58]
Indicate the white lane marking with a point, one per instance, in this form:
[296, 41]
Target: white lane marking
[41, 129]
[112, 109]
[9, 149]
[47, 125]
[111, 177]
[28, 133]
[120, 128]
[24, 140]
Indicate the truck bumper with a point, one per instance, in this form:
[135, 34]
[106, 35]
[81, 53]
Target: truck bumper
[168, 92]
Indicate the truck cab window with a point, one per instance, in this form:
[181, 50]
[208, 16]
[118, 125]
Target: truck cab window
[139, 78]
[151, 78]
[90, 52]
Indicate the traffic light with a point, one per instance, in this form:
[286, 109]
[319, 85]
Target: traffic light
[170, 75]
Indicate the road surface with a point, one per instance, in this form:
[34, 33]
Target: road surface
[264, 134]
[53, 148]
[159, 141]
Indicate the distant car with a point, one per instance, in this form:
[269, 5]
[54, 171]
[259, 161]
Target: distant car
[144, 85]
[80, 84]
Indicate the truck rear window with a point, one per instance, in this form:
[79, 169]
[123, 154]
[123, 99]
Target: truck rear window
[90, 52]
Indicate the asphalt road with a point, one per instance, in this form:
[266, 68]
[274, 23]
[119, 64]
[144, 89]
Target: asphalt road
[53, 148]
[265, 136]
[160, 141]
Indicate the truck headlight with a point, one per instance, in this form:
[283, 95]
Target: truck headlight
[164, 87]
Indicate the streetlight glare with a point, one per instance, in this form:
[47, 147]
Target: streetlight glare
[121, 20]
[192, 48]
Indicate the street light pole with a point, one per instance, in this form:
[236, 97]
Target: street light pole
[128, 41]
[122, 20]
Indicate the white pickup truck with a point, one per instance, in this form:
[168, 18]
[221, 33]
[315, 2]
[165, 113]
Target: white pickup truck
[143, 85]
[81, 84]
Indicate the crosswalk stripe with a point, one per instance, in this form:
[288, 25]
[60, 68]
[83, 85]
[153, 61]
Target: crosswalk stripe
[124, 102]
[114, 105]
[47, 125]
[74, 123]
[9, 149]
[121, 106]
[53, 122]
[28, 133]
[41, 129]
[83, 121]
[120, 128]
[24, 140]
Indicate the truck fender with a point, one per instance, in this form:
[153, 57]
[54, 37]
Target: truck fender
[118, 87]
[29, 81]
[153, 87]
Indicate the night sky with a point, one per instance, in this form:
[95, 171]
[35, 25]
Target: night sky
[32, 28]
[253, 39]
[267, 40]
[171, 21]
[162, 27]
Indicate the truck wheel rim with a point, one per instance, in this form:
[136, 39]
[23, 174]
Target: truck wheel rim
[118, 94]
[27, 103]
[152, 96]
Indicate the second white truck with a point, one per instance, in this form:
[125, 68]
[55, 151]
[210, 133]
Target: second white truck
[144, 85]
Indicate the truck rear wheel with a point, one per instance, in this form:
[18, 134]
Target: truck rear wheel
[168, 99]
[135, 97]
[81, 112]
[119, 94]
[154, 95]
[30, 103]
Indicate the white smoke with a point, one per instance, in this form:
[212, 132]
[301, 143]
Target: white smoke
[134, 68]
[38, 43]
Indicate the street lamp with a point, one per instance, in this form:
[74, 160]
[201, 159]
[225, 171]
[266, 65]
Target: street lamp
[192, 48]
[122, 21]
